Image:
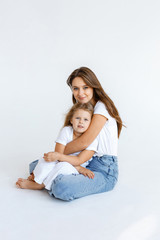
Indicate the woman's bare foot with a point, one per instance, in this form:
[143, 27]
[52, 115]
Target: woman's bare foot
[27, 184]
[31, 177]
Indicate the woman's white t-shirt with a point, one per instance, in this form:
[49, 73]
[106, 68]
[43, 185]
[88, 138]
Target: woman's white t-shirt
[108, 136]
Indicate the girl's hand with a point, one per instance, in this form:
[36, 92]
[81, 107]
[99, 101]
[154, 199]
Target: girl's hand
[86, 172]
[51, 156]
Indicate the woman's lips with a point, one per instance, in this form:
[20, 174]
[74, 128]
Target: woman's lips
[81, 98]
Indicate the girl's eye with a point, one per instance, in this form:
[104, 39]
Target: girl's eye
[85, 119]
[85, 87]
[77, 118]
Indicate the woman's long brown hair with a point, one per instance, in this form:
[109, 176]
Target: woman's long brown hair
[99, 94]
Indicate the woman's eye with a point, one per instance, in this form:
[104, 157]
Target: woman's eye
[85, 119]
[77, 118]
[75, 89]
[85, 87]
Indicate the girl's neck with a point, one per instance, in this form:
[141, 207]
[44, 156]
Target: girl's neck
[76, 134]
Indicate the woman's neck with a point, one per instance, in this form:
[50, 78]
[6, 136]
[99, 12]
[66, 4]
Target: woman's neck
[93, 102]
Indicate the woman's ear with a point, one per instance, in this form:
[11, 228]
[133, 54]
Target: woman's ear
[71, 121]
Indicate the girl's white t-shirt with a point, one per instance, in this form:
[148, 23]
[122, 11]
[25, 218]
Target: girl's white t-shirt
[108, 136]
[66, 135]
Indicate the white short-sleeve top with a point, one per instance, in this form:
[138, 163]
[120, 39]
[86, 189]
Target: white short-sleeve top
[66, 135]
[108, 136]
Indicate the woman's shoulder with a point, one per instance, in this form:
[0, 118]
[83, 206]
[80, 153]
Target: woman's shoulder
[99, 104]
[100, 108]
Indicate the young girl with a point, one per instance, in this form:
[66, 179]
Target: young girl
[76, 123]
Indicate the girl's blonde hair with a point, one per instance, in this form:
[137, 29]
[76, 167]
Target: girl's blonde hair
[98, 92]
[84, 106]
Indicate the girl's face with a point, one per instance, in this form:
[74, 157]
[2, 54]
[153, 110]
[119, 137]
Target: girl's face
[81, 120]
[81, 91]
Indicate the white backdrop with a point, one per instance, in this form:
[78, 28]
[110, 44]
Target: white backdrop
[42, 42]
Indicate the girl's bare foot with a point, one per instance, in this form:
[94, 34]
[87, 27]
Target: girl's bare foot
[31, 177]
[27, 184]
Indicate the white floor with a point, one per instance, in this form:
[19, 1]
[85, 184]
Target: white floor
[41, 43]
[126, 213]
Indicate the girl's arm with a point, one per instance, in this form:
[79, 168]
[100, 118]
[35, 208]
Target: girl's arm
[59, 148]
[74, 160]
[86, 172]
[82, 142]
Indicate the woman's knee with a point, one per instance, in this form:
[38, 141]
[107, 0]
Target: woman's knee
[110, 183]
[61, 189]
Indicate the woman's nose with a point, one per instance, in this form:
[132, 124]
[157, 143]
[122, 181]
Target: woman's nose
[81, 91]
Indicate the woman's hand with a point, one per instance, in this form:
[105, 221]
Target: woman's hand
[51, 156]
[86, 172]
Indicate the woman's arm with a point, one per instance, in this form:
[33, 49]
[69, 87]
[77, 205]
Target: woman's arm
[82, 142]
[74, 160]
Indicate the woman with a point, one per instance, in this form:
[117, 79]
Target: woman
[106, 124]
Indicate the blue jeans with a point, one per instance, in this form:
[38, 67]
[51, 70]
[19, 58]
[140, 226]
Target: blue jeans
[74, 186]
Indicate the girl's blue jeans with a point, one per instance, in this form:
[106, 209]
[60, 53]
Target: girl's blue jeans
[74, 186]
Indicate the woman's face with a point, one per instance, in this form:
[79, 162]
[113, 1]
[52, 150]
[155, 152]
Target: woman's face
[81, 91]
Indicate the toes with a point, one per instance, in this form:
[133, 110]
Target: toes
[20, 182]
[20, 179]
[17, 185]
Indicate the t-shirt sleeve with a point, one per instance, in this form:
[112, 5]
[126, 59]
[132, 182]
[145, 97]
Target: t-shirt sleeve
[94, 145]
[100, 108]
[63, 137]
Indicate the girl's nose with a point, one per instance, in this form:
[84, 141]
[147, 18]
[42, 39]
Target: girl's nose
[80, 120]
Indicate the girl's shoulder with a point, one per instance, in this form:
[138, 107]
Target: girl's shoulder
[67, 129]
[65, 135]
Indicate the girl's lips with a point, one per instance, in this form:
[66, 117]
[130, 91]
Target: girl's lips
[79, 126]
